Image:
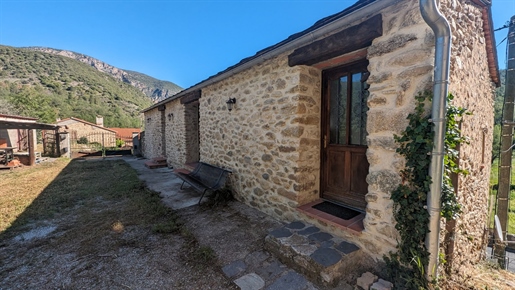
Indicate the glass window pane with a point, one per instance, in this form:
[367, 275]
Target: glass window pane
[338, 111]
[342, 117]
[358, 111]
[333, 111]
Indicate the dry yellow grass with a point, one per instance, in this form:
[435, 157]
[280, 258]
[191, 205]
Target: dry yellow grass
[484, 276]
[94, 225]
[21, 186]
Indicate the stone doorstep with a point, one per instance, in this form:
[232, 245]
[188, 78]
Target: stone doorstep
[159, 160]
[152, 165]
[353, 225]
[320, 256]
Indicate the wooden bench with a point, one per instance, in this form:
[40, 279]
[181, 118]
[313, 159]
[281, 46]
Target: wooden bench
[204, 177]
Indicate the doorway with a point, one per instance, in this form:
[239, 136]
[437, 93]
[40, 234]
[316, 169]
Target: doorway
[344, 165]
[192, 118]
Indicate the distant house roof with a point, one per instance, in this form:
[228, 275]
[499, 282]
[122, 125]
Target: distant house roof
[126, 132]
[20, 122]
[72, 120]
[15, 118]
[360, 4]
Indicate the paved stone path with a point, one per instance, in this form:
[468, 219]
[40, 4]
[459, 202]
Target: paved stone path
[235, 232]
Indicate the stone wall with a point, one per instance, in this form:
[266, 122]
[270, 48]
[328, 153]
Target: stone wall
[175, 124]
[153, 137]
[400, 65]
[93, 133]
[270, 139]
[173, 137]
[471, 85]
[191, 117]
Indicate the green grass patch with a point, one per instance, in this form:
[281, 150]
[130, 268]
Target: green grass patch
[204, 254]
[168, 227]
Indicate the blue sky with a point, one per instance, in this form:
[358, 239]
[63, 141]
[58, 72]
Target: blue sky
[179, 41]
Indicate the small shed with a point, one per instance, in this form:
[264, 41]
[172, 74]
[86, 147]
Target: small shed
[18, 138]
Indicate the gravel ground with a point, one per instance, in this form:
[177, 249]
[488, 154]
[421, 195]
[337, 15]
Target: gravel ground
[135, 258]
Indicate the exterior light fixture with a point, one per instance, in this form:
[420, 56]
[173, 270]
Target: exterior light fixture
[230, 103]
[170, 116]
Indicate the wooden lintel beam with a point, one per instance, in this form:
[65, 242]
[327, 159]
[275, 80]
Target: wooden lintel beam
[190, 97]
[345, 41]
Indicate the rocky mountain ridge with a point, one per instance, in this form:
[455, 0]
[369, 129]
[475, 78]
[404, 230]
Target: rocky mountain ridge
[48, 86]
[155, 89]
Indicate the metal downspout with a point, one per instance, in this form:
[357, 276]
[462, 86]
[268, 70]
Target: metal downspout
[442, 31]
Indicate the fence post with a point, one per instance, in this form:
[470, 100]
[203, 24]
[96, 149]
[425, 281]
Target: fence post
[103, 146]
[57, 141]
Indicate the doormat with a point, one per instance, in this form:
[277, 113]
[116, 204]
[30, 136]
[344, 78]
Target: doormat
[336, 210]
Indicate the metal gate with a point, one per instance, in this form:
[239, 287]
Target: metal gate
[99, 144]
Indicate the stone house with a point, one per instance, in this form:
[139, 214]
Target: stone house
[315, 117]
[78, 128]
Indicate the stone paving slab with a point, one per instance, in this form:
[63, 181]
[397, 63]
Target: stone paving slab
[164, 181]
[237, 233]
[250, 281]
[319, 255]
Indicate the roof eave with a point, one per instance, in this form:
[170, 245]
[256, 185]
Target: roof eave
[357, 11]
[486, 15]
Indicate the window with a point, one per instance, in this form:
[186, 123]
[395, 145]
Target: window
[348, 108]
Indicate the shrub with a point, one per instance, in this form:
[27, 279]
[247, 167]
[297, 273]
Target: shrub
[119, 143]
[83, 140]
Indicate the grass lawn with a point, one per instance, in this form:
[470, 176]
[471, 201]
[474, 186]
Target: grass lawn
[73, 224]
[493, 181]
[53, 189]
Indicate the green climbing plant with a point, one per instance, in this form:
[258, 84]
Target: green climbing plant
[450, 208]
[406, 267]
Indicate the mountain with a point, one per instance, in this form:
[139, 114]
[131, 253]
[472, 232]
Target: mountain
[155, 89]
[50, 86]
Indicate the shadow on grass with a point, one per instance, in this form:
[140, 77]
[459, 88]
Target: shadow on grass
[85, 199]
[92, 224]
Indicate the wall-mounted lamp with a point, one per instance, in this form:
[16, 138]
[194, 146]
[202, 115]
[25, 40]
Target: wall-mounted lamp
[170, 116]
[148, 119]
[230, 103]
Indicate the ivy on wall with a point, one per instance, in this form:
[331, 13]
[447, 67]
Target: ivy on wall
[406, 266]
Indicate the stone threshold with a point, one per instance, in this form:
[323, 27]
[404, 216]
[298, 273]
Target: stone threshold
[157, 162]
[353, 225]
[322, 257]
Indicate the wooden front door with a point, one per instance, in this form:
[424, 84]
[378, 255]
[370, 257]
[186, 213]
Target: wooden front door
[344, 114]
